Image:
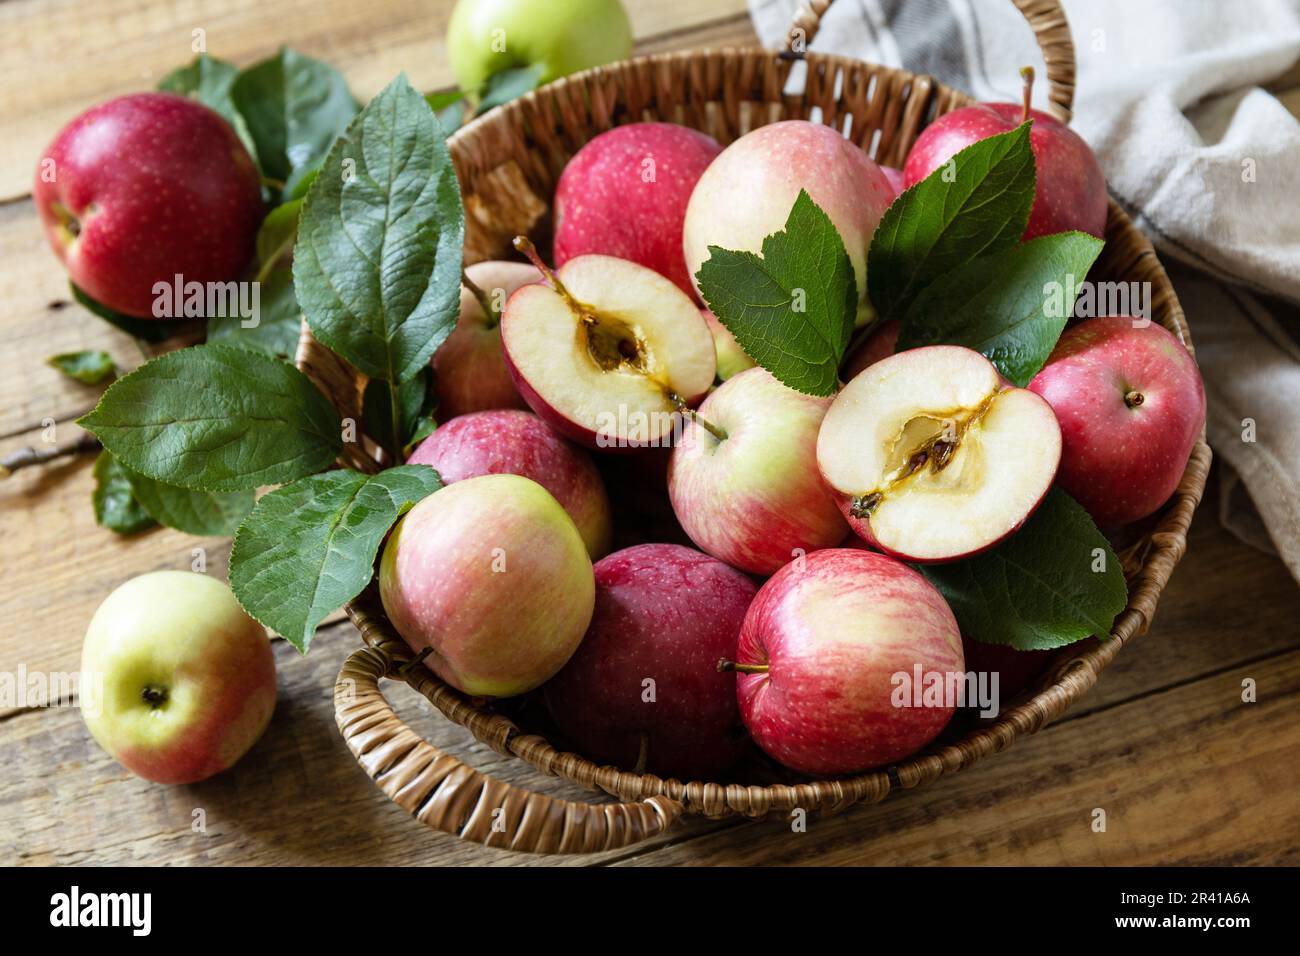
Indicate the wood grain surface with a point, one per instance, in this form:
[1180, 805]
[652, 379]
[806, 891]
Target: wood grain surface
[1184, 769]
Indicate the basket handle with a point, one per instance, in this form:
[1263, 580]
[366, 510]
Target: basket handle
[446, 794]
[1046, 17]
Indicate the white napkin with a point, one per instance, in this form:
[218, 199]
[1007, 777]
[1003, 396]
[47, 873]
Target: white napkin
[1207, 163]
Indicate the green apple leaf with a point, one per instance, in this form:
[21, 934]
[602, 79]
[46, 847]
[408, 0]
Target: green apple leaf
[308, 548]
[194, 512]
[377, 264]
[278, 233]
[507, 85]
[449, 107]
[209, 81]
[279, 320]
[89, 367]
[116, 507]
[217, 418]
[1012, 305]
[1054, 582]
[415, 402]
[146, 330]
[792, 309]
[975, 205]
[294, 107]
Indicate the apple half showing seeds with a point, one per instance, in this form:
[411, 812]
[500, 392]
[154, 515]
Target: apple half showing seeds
[935, 457]
[607, 352]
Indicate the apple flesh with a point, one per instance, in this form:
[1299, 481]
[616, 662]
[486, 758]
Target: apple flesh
[732, 359]
[643, 691]
[512, 442]
[470, 374]
[485, 37]
[935, 456]
[1131, 405]
[754, 499]
[1070, 190]
[492, 577]
[178, 682]
[818, 652]
[143, 188]
[747, 192]
[624, 194]
[610, 354]
[878, 345]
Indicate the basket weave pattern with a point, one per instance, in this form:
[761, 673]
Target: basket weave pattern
[508, 163]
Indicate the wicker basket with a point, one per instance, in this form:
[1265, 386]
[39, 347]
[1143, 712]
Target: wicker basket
[508, 162]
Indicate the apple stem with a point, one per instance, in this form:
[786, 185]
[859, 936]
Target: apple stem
[26, 457]
[405, 668]
[1027, 74]
[155, 697]
[484, 300]
[725, 665]
[525, 245]
[1134, 398]
[680, 404]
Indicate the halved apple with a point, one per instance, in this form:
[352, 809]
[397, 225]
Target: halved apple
[610, 354]
[935, 456]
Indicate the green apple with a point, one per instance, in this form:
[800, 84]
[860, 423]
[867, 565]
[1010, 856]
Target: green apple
[487, 36]
[178, 682]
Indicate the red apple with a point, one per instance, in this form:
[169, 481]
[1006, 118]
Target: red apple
[897, 181]
[511, 442]
[624, 194]
[607, 352]
[936, 457]
[876, 346]
[1070, 191]
[491, 576]
[470, 374]
[643, 688]
[748, 191]
[1016, 669]
[177, 681]
[821, 653]
[1131, 405]
[754, 498]
[143, 188]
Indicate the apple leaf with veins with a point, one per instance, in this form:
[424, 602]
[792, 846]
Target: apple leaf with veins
[791, 309]
[308, 548]
[998, 305]
[211, 513]
[1053, 582]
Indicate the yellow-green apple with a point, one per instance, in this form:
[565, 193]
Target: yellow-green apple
[183, 679]
[936, 456]
[485, 37]
[143, 188]
[1070, 191]
[491, 576]
[829, 653]
[747, 192]
[513, 442]
[644, 690]
[624, 194]
[470, 374]
[1131, 404]
[877, 345]
[608, 352]
[754, 498]
[732, 359]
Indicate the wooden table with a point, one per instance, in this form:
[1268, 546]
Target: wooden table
[1185, 770]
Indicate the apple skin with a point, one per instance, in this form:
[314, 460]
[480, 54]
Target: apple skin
[876, 346]
[732, 359]
[756, 497]
[491, 574]
[748, 191]
[470, 374]
[147, 187]
[897, 181]
[668, 613]
[832, 632]
[513, 442]
[1016, 669]
[1122, 463]
[184, 635]
[560, 38]
[1070, 192]
[603, 203]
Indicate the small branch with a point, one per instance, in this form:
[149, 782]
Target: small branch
[27, 457]
[484, 300]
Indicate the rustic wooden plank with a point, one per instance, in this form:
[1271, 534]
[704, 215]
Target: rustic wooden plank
[1187, 776]
[58, 57]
